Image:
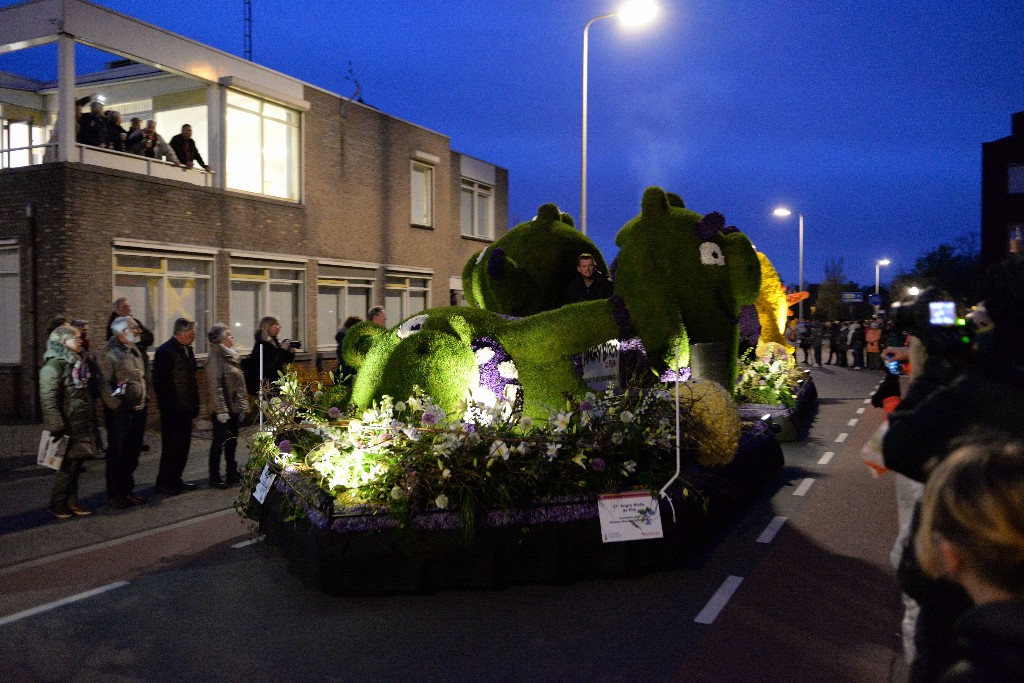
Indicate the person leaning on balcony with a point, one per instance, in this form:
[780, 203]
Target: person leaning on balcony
[185, 147]
[117, 135]
[148, 143]
[92, 127]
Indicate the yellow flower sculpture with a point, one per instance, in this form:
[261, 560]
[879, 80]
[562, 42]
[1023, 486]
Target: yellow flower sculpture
[772, 308]
[714, 409]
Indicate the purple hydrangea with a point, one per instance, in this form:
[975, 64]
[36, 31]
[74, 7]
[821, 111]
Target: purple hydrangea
[709, 225]
[597, 464]
[285, 446]
[334, 413]
[620, 314]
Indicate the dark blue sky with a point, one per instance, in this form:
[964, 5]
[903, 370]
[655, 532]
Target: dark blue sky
[866, 117]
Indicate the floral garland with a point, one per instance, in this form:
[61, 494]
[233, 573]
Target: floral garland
[772, 379]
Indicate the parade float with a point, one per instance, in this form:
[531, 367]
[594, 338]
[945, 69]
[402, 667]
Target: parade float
[519, 439]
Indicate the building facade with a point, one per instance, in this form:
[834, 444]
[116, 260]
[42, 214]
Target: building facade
[1002, 195]
[317, 208]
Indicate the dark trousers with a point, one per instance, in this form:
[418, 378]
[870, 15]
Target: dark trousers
[175, 440]
[225, 438]
[858, 356]
[843, 360]
[125, 444]
[817, 354]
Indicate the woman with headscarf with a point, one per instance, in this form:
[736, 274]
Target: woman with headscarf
[228, 400]
[68, 410]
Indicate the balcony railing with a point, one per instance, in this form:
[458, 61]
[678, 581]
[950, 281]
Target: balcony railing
[32, 155]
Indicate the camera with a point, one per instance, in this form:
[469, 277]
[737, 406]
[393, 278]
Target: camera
[932, 318]
[294, 344]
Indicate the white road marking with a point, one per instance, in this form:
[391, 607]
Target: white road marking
[768, 535]
[802, 489]
[842, 437]
[718, 601]
[852, 423]
[245, 543]
[860, 411]
[60, 603]
[826, 458]
[867, 400]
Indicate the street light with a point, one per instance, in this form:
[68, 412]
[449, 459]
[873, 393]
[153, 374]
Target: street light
[782, 212]
[633, 13]
[878, 264]
[913, 291]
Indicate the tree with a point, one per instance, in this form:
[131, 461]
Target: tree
[829, 304]
[954, 268]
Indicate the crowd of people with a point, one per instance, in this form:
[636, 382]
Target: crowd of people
[78, 382]
[853, 344]
[105, 129]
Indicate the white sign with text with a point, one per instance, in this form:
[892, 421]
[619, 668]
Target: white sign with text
[601, 365]
[262, 488]
[633, 516]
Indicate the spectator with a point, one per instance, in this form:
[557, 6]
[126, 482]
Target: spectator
[124, 392]
[842, 345]
[855, 340]
[92, 127]
[589, 284]
[177, 395]
[228, 400]
[185, 149]
[378, 316]
[55, 322]
[873, 344]
[276, 355]
[148, 143]
[345, 370]
[68, 410]
[117, 135]
[123, 307]
[972, 532]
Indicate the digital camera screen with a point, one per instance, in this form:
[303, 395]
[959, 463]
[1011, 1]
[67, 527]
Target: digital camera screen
[942, 312]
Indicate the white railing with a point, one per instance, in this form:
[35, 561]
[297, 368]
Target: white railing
[15, 157]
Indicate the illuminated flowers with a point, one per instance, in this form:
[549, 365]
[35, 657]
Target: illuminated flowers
[285, 446]
[441, 501]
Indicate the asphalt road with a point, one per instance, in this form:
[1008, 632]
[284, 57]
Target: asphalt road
[796, 589]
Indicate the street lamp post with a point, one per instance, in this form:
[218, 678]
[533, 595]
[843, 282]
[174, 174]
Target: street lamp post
[878, 264]
[633, 13]
[782, 212]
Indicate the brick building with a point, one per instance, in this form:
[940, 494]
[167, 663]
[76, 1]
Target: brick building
[1002, 195]
[318, 206]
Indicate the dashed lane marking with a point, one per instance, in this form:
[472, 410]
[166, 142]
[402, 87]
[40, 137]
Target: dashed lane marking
[867, 400]
[852, 423]
[860, 411]
[801, 490]
[842, 437]
[10, 619]
[718, 601]
[245, 543]
[768, 535]
[826, 458]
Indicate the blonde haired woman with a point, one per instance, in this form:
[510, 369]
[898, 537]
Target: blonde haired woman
[972, 533]
[276, 354]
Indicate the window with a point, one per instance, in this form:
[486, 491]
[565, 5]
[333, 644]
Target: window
[422, 195]
[260, 288]
[262, 147]
[1015, 243]
[18, 140]
[10, 306]
[169, 124]
[405, 295]
[164, 287]
[1015, 179]
[341, 292]
[477, 205]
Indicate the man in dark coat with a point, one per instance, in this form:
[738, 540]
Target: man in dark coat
[590, 284]
[185, 147]
[177, 395]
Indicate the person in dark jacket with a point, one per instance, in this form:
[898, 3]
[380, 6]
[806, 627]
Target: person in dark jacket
[589, 284]
[177, 395]
[228, 400]
[344, 369]
[972, 533]
[93, 128]
[276, 354]
[185, 149]
[68, 410]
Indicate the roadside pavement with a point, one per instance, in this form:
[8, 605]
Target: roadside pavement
[28, 532]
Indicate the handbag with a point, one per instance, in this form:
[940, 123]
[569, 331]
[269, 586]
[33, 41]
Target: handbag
[51, 452]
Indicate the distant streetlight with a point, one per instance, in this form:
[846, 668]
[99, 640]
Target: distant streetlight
[878, 264]
[632, 13]
[782, 212]
[913, 291]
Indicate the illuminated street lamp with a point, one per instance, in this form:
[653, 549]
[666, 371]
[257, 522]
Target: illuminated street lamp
[632, 13]
[913, 291]
[782, 212]
[878, 264]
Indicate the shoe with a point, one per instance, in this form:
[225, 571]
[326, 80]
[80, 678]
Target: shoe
[232, 478]
[119, 502]
[78, 511]
[61, 513]
[186, 486]
[218, 484]
[168, 490]
[134, 500]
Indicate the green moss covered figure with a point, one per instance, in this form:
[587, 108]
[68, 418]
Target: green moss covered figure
[684, 278]
[529, 269]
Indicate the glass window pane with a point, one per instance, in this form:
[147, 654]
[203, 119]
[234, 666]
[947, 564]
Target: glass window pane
[1015, 179]
[144, 293]
[466, 211]
[418, 282]
[393, 307]
[483, 215]
[245, 311]
[133, 262]
[417, 302]
[237, 99]
[9, 261]
[188, 298]
[191, 266]
[357, 302]
[328, 314]
[244, 160]
[169, 123]
[283, 274]
[247, 272]
[422, 194]
[280, 159]
[10, 307]
[284, 305]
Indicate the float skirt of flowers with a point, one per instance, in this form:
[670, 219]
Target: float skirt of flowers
[354, 551]
[792, 423]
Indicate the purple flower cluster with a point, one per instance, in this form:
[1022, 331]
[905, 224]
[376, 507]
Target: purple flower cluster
[496, 264]
[709, 225]
[620, 314]
[490, 376]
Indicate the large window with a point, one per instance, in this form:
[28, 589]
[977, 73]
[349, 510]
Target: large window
[262, 147]
[405, 295]
[477, 208]
[341, 292]
[422, 195]
[260, 288]
[164, 287]
[1015, 179]
[10, 306]
[18, 140]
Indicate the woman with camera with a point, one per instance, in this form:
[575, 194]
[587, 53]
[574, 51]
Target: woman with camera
[276, 355]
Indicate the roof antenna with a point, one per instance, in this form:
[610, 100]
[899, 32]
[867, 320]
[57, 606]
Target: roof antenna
[247, 20]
